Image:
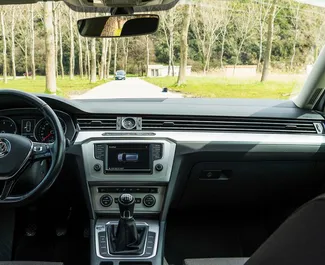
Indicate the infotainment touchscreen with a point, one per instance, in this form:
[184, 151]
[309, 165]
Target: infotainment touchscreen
[128, 158]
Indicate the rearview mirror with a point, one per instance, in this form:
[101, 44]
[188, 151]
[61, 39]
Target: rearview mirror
[118, 26]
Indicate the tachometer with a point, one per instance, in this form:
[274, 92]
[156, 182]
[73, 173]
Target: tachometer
[44, 131]
[7, 125]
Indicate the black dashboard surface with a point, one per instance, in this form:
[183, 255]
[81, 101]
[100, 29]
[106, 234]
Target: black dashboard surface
[187, 106]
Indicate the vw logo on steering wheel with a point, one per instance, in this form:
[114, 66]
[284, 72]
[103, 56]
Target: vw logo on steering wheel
[4, 147]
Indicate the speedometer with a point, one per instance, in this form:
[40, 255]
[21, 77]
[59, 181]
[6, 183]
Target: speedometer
[44, 131]
[7, 125]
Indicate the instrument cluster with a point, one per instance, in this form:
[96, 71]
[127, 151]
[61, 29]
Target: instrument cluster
[33, 125]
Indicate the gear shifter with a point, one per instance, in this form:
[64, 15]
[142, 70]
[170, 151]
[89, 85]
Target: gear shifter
[126, 206]
[127, 238]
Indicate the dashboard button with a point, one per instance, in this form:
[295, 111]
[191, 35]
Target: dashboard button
[102, 190]
[159, 167]
[153, 190]
[106, 200]
[137, 200]
[149, 200]
[97, 167]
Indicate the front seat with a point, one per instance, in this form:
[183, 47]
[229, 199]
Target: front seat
[29, 263]
[300, 240]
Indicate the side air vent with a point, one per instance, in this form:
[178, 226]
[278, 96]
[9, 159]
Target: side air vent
[97, 124]
[314, 97]
[231, 124]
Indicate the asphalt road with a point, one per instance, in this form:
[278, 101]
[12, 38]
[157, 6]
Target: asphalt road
[129, 88]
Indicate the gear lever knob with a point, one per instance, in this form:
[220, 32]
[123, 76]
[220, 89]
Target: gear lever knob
[126, 205]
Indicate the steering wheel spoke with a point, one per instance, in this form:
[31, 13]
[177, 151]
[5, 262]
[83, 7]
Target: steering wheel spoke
[7, 188]
[41, 151]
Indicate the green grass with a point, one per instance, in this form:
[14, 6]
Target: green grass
[221, 87]
[65, 87]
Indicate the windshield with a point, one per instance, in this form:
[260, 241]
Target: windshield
[208, 48]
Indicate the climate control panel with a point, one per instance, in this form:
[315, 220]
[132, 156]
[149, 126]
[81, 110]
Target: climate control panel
[147, 199]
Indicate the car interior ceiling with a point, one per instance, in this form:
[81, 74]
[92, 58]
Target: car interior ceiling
[198, 194]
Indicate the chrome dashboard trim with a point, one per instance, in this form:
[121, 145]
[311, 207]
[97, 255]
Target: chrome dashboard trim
[206, 137]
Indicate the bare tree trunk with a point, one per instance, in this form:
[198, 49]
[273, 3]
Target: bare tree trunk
[260, 52]
[115, 55]
[148, 54]
[55, 17]
[71, 45]
[169, 60]
[88, 59]
[293, 52]
[125, 46]
[171, 42]
[105, 43]
[26, 58]
[126, 58]
[295, 39]
[61, 47]
[81, 70]
[4, 47]
[32, 49]
[49, 48]
[184, 45]
[13, 48]
[103, 60]
[223, 46]
[237, 55]
[109, 57]
[267, 56]
[93, 77]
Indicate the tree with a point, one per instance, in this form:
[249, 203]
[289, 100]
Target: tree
[125, 47]
[72, 62]
[115, 40]
[109, 44]
[184, 44]
[244, 27]
[32, 48]
[56, 36]
[263, 11]
[81, 71]
[168, 21]
[13, 46]
[22, 34]
[267, 55]
[148, 55]
[296, 21]
[60, 45]
[227, 16]
[88, 59]
[4, 42]
[93, 77]
[103, 60]
[50, 49]
[206, 27]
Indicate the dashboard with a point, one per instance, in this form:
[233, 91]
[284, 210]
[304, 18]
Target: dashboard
[29, 122]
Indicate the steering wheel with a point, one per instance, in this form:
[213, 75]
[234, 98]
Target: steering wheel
[18, 152]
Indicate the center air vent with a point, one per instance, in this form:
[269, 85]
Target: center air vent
[233, 124]
[97, 124]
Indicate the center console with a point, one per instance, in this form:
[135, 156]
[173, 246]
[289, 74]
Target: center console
[118, 169]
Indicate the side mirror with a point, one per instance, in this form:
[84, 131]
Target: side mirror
[118, 26]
